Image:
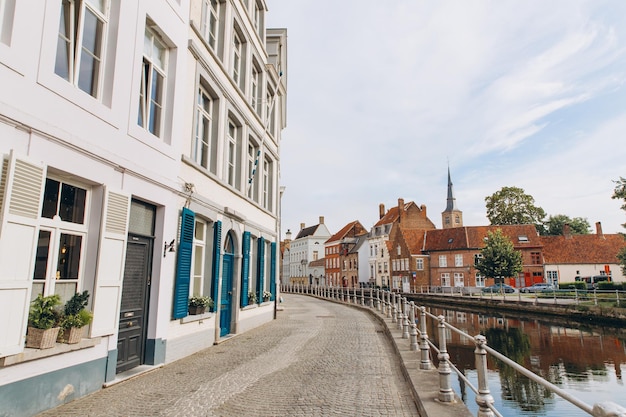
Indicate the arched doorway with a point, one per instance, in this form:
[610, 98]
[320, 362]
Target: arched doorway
[227, 285]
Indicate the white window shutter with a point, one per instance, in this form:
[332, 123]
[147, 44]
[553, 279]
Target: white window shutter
[21, 188]
[110, 265]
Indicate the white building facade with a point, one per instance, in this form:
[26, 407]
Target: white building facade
[139, 146]
[307, 247]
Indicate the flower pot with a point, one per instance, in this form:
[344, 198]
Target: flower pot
[72, 335]
[40, 338]
[193, 310]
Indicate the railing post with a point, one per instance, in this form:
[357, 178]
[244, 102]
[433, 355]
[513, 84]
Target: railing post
[400, 323]
[446, 394]
[405, 322]
[617, 297]
[425, 361]
[389, 306]
[484, 397]
[412, 328]
[378, 306]
[394, 308]
[371, 297]
[355, 296]
[362, 296]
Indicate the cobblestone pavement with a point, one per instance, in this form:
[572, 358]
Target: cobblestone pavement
[316, 359]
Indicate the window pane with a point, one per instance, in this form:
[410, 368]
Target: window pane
[97, 4]
[50, 198]
[91, 54]
[69, 256]
[62, 64]
[72, 207]
[41, 257]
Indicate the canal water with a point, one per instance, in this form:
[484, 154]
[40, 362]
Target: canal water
[587, 362]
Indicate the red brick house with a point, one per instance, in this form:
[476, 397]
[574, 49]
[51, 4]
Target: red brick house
[337, 249]
[453, 254]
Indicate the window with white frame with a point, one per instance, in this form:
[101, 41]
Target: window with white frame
[253, 177]
[7, 10]
[204, 150]
[255, 89]
[237, 58]
[419, 264]
[271, 112]
[81, 44]
[210, 22]
[477, 258]
[443, 261]
[257, 18]
[458, 259]
[399, 250]
[61, 240]
[199, 258]
[153, 78]
[268, 183]
[233, 144]
[445, 279]
[553, 277]
[480, 280]
[459, 281]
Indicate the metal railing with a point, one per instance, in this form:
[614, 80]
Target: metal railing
[406, 315]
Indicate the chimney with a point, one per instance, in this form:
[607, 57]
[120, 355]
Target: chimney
[599, 230]
[321, 219]
[401, 208]
[301, 226]
[381, 211]
[566, 231]
[423, 208]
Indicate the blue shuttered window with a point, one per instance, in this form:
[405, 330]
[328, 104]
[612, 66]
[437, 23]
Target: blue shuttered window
[183, 265]
[260, 270]
[217, 242]
[245, 268]
[273, 271]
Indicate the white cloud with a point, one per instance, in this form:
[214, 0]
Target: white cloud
[519, 93]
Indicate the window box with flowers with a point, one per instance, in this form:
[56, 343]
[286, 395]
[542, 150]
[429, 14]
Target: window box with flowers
[252, 298]
[198, 304]
[267, 295]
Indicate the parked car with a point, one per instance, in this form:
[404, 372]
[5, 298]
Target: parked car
[538, 287]
[499, 288]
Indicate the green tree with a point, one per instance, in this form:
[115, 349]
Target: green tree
[620, 194]
[499, 257]
[554, 225]
[511, 205]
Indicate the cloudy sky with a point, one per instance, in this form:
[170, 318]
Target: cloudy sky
[384, 95]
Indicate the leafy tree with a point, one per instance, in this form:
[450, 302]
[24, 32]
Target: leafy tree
[511, 205]
[499, 257]
[620, 193]
[554, 225]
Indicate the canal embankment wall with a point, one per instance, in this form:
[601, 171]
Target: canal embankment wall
[559, 310]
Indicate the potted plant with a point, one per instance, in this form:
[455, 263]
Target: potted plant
[75, 317]
[251, 298]
[267, 295]
[43, 320]
[198, 304]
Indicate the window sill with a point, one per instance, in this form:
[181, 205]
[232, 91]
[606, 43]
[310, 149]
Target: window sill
[33, 354]
[196, 317]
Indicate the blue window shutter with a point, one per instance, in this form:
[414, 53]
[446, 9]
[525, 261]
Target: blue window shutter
[261, 270]
[217, 242]
[183, 264]
[245, 268]
[273, 271]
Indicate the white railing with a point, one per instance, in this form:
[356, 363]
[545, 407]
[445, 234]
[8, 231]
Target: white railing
[403, 314]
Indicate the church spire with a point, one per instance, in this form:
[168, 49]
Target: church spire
[451, 203]
[451, 216]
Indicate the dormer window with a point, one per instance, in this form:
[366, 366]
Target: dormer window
[522, 238]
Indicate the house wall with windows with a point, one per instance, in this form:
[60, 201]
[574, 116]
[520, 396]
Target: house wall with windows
[140, 164]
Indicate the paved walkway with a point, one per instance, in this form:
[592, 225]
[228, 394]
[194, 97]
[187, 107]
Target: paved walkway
[316, 359]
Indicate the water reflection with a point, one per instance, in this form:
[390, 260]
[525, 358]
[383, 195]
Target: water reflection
[584, 361]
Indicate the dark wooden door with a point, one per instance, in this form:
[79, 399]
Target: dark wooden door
[133, 313]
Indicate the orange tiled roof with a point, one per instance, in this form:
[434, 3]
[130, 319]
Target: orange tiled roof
[343, 232]
[390, 217]
[579, 249]
[473, 237]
